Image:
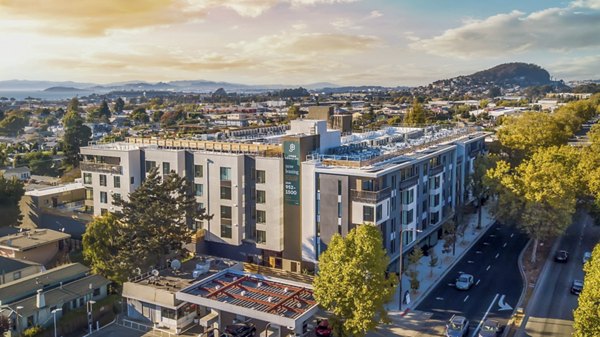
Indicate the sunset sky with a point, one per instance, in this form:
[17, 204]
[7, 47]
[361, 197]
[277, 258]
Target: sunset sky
[348, 42]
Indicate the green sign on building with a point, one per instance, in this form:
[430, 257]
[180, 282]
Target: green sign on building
[291, 172]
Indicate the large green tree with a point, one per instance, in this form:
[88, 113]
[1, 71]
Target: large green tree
[119, 105]
[478, 184]
[76, 134]
[100, 114]
[11, 191]
[587, 314]
[416, 115]
[352, 282]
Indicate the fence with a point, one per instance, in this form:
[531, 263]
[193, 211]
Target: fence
[145, 328]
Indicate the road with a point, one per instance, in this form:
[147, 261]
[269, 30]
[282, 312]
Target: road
[493, 261]
[550, 310]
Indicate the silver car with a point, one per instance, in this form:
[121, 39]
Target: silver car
[457, 327]
[586, 257]
[464, 282]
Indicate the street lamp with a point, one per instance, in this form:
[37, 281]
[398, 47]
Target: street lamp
[400, 262]
[54, 313]
[19, 307]
[90, 306]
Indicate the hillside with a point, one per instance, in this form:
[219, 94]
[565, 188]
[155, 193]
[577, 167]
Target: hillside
[523, 74]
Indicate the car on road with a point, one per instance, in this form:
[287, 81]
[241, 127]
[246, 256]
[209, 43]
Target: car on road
[464, 282]
[241, 330]
[323, 329]
[576, 287]
[490, 328]
[458, 326]
[586, 257]
[561, 256]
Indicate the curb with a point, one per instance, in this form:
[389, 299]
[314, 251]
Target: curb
[458, 258]
[525, 284]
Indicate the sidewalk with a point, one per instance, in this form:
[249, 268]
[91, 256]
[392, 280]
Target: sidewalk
[428, 278]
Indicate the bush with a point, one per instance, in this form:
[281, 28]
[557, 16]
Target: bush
[33, 331]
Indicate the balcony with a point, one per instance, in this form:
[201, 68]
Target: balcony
[101, 168]
[370, 197]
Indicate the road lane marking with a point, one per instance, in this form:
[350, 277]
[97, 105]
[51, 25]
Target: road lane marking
[504, 245]
[484, 316]
[478, 282]
[488, 268]
[503, 305]
[512, 234]
[497, 255]
[486, 243]
[439, 298]
[492, 235]
[470, 261]
[466, 298]
[478, 252]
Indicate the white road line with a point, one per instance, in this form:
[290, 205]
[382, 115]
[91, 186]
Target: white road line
[477, 283]
[478, 252]
[439, 298]
[504, 245]
[484, 316]
[466, 298]
[492, 235]
[486, 243]
[488, 268]
[497, 255]
[470, 261]
[512, 234]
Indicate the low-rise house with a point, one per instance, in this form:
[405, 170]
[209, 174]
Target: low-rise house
[38, 245]
[29, 301]
[14, 269]
[21, 173]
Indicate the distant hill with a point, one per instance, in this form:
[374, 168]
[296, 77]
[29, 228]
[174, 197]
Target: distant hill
[523, 74]
[63, 89]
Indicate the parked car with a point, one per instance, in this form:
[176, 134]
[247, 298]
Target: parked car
[323, 329]
[464, 282]
[490, 328]
[576, 287]
[561, 256]
[241, 330]
[458, 326]
[586, 256]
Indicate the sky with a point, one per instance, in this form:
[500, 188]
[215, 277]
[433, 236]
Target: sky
[294, 42]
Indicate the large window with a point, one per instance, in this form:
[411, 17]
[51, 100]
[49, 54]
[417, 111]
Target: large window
[226, 192]
[408, 216]
[261, 216]
[198, 171]
[166, 168]
[226, 212]
[261, 197]
[103, 197]
[408, 196]
[379, 213]
[89, 194]
[434, 183]
[436, 200]
[226, 231]
[87, 178]
[117, 181]
[261, 236]
[103, 180]
[150, 165]
[225, 173]
[339, 209]
[199, 190]
[261, 177]
[368, 213]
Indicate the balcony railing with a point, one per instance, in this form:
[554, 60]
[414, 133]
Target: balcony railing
[371, 197]
[102, 168]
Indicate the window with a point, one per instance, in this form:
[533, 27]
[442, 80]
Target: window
[368, 213]
[339, 210]
[261, 197]
[198, 171]
[261, 216]
[436, 200]
[166, 168]
[226, 192]
[393, 181]
[225, 173]
[393, 203]
[96, 292]
[339, 187]
[103, 211]
[435, 217]
[225, 212]
[226, 231]
[199, 190]
[379, 212]
[408, 216]
[261, 236]
[132, 180]
[117, 181]
[89, 194]
[116, 196]
[408, 196]
[103, 197]
[87, 178]
[16, 275]
[150, 165]
[261, 177]
[103, 180]
[434, 183]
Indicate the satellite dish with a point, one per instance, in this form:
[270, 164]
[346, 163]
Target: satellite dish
[155, 272]
[175, 265]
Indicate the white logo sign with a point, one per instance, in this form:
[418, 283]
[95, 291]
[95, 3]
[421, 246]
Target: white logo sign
[292, 147]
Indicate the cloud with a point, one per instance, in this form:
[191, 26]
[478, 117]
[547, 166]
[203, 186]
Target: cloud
[92, 18]
[375, 14]
[581, 68]
[572, 27]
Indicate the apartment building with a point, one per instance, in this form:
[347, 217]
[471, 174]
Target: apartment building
[280, 199]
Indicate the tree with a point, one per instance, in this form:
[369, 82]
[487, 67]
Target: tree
[352, 283]
[449, 236]
[13, 123]
[100, 114]
[41, 163]
[477, 183]
[11, 191]
[139, 116]
[4, 324]
[156, 115]
[433, 262]
[416, 115]
[293, 112]
[587, 314]
[73, 105]
[76, 135]
[119, 105]
[102, 244]
[414, 258]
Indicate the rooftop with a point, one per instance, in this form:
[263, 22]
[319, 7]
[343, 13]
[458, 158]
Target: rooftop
[8, 265]
[54, 190]
[31, 239]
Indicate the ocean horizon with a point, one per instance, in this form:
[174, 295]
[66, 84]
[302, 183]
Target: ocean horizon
[45, 95]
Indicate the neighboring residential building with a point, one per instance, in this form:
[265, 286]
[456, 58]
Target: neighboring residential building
[38, 245]
[14, 269]
[21, 173]
[278, 200]
[30, 300]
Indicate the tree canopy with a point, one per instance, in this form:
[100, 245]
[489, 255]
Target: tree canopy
[11, 191]
[352, 281]
[587, 314]
[416, 115]
[76, 135]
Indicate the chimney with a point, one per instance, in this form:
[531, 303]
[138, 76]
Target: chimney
[40, 299]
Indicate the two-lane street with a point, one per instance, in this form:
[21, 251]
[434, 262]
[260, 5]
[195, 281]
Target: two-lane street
[498, 283]
[550, 312]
